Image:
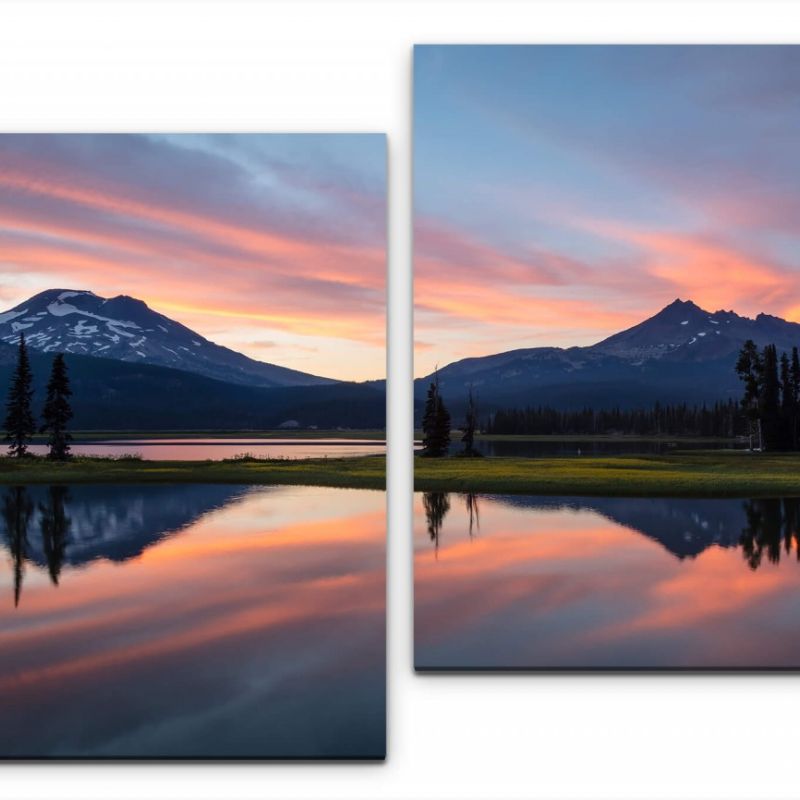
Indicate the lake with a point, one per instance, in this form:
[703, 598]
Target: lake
[203, 449]
[192, 621]
[538, 582]
[548, 448]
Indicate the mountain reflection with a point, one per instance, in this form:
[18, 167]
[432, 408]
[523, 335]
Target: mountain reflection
[50, 526]
[762, 528]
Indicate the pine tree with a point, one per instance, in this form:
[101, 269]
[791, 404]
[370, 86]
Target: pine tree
[57, 411]
[769, 398]
[435, 423]
[20, 425]
[442, 426]
[470, 425]
[794, 380]
[749, 368]
[787, 403]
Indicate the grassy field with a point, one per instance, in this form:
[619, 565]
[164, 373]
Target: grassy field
[697, 474]
[93, 436]
[367, 472]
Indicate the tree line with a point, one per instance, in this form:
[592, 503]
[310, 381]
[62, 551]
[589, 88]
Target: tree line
[771, 400]
[20, 423]
[722, 419]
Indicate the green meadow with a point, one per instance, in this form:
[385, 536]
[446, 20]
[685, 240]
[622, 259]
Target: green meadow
[689, 474]
[367, 472]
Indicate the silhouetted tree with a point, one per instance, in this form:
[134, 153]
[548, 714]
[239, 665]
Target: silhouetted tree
[435, 423]
[794, 384]
[788, 411]
[17, 512]
[749, 369]
[470, 425]
[55, 526]
[436, 505]
[20, 426]
[722, 419]
[57, 411]
[769, 399]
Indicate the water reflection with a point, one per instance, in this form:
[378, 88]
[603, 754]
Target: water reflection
[54, 529]
[203, 621]
[217, 449]
[772, 525]
[17, 512]
[607, 582]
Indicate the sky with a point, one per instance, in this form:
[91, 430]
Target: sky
[273, 245]
[564, 193]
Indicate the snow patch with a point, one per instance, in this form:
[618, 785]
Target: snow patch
[84, 329]
[702, 334]
[713, 321]
[196, 343]
[9, 315]
[59, 309]
[685, 322]
[20, 326]
[163, 329]
[692, 340]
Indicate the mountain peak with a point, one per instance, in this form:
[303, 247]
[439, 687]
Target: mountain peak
[682, 305]
[124, 328]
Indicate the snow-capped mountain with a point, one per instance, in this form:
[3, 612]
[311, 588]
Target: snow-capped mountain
[684, 331]
[126, 329]
[681, 354]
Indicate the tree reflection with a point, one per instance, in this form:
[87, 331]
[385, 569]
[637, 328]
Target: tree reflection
[771, 522]
[55, 527]
[471, 500]
[436, 505]
[17, 512]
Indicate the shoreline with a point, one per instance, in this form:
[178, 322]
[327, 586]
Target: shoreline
[84, 437]
[359, 472]
[720, 474]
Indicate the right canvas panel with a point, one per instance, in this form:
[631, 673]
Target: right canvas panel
[607, 393]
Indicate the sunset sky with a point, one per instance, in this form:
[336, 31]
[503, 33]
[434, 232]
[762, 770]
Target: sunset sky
[563, 193]
[273, 245]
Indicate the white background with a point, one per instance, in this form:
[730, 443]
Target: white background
[346, 66]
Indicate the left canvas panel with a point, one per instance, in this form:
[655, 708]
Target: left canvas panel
[192, 519]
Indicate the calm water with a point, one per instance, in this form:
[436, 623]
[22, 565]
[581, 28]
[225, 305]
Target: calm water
[184, 621]
[217, 449]
[527, 582]
[608, 447]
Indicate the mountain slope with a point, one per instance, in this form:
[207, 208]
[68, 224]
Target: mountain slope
[681, 354]
[118, 395]
[125, 329]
